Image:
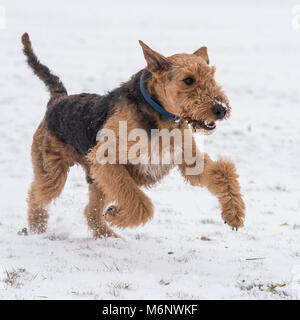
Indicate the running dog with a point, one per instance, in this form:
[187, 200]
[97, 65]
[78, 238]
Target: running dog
[176, 92]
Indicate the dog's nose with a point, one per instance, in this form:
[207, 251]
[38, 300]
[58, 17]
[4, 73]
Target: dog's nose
[219, 111]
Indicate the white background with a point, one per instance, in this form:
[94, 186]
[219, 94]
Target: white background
[92, 46]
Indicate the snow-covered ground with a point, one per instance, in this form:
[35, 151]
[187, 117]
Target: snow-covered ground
[186, 251]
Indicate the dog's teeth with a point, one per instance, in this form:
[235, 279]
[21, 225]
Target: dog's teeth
[209, 124]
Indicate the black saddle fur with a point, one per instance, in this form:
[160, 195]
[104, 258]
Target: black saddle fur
[77, 119]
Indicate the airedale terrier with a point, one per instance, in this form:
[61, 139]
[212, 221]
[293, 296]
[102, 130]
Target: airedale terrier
[176, 92]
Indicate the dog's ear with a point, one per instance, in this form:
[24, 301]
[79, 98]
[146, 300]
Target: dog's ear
[202, 52]
[155, 61]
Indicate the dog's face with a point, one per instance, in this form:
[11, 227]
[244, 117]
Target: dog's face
[185, 85]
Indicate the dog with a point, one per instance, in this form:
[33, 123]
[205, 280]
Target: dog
[177, 92]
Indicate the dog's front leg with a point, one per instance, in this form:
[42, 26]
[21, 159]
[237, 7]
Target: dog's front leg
[221, 179]
[133, 206]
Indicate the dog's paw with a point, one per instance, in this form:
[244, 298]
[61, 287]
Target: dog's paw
[233, 212]
[235, 223]
[122, 218]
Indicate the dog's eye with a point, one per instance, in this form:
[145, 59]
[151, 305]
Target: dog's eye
[189, 81]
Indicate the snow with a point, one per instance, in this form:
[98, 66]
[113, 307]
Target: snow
[92, 46]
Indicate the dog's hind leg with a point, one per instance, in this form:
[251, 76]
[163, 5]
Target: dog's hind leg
[37, 214]
[51, 161]
[94, 213]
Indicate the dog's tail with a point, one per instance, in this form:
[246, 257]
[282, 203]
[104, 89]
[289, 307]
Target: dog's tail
[51, 81]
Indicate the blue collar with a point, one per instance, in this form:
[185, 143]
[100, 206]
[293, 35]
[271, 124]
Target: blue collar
[155, 105]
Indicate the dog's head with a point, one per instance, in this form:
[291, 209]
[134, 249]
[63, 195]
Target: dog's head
[185, 86]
